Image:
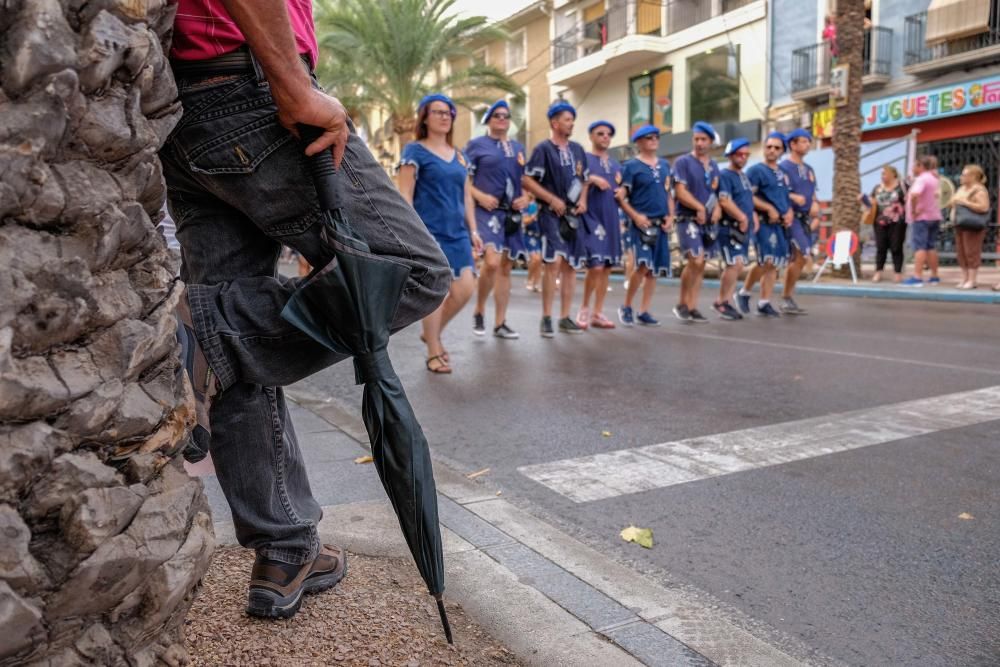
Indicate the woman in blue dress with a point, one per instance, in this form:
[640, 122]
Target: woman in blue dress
[496, 163]
[434, 178]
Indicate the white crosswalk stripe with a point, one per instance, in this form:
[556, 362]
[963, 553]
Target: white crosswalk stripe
[626, 471]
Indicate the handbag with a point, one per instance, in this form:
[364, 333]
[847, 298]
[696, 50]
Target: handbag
[649, 235]
[568, 224]
[966, 218]
[512, 221]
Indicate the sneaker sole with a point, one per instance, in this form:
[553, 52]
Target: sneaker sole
[265, 603]
[694, 321]
[548, 334]
[680, 317]
[646, 324]
[479, 332]
[507, 337]
[570, 331]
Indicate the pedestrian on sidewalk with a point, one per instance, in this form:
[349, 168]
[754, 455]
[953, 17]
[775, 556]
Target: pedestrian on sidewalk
[889, 225]
[602, 238]
[739, 221]
[805, 219]
[696, 181]
[434, 178]
[770, 198]
[557, 176]
[238, 187]
[648, 204]
[970, 207]
[496, 163]
[925, 221]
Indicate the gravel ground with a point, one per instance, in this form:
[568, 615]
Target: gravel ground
[380, 614]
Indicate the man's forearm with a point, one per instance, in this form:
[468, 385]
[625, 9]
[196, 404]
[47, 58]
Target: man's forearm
[685, 197]
[268, 31]
[535, 188]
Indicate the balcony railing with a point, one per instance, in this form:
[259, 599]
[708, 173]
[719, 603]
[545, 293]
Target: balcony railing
[635, 17]
[811, 64]
[917, 52]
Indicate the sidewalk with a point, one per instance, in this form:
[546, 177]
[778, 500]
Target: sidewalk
[544, 595]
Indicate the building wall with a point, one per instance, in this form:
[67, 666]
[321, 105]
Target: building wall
[794, 24]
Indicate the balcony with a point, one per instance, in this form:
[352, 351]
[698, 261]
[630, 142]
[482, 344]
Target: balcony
[632, 31]
[921, 58]
[811, 65]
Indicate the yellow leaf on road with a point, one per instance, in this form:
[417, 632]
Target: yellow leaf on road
[965, 516]
[606, 434]
[641, 536]
[363, 459]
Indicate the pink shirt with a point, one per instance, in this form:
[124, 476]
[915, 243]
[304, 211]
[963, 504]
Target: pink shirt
[203, 29]
[926, 205]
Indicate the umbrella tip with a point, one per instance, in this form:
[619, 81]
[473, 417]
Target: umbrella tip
[444, 618]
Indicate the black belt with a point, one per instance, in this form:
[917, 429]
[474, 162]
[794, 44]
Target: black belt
[239, 61]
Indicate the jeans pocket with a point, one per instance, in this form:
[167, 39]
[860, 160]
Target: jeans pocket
[241, 150]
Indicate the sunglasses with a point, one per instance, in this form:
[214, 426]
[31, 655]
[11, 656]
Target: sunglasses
[501, 116]
[772, 147]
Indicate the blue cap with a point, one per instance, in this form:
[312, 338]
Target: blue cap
[499, 104]
[437, 97]
[558, 107]
[736, 144]
[600, 123]
[645, 131]
[701, 127]
[798, 134]
[777, 135]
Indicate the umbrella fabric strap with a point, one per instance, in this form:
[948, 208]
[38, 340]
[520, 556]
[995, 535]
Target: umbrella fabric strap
[372, 367]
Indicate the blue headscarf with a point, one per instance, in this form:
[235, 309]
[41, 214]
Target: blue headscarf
[558, 107]
[736, 144]
[798, 134]
[499, 104]
[437, 97]
[600, 123]
[701, 127]
[645, 131]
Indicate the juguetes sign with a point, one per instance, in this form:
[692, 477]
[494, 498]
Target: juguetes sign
[953, 100]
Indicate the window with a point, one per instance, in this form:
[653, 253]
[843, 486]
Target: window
[650, 100]
[516, 47]
[714, 85]
[479, 57]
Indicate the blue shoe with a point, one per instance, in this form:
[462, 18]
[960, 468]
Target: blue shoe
[913, 281]
[767, 310]
[647, 320]
[934, 281]
[625, 316]
[744, 301]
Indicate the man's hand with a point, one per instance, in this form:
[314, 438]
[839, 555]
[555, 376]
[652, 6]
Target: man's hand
[477, 244]
[581, 208]
[716, 215]
[602, 184]
[558, 206]
[642, 221]
[489, 202]
[756, 222]
[521, 202]
[316, 108]
[788, 218]
[744, 224]
[668, 223]
[799, 200]
[699, 215]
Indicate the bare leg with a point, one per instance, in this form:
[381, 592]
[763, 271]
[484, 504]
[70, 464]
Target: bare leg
[728, 283]
[549, 271]
[534, 270]
[501, 290]
[695, 269]
[566, 289]
[459, 294]
[793, 272]
[601, 278]
[629, 266]
[919, 259]
[638, 274]
[932, 260]
[648, 287]
[487, 278]
[590, 284]
[753, 277]
[767, 282]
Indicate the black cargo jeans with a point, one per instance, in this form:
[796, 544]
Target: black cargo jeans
[238, 188]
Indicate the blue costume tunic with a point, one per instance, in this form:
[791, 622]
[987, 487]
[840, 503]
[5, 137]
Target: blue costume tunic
[648, 193]
[603, 231]
[735, 185]
[439, 199]
[772, 186]
[496, 168]
[802, 181]
[556, 169]
[703, 184]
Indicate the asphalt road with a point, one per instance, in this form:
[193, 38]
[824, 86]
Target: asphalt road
[860, 555]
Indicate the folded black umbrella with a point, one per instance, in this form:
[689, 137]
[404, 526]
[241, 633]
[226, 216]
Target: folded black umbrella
[347, 305]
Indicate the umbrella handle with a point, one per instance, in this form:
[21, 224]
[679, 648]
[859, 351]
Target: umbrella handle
[321, 167]
[444, 618]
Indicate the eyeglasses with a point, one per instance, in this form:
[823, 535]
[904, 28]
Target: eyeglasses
[501, 116]
[440, 113]
[602, 134]
[771, 147]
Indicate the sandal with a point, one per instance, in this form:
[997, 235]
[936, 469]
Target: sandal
[444, 354]
[442, 368]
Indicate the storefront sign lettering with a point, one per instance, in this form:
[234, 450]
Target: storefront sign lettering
[954, 100]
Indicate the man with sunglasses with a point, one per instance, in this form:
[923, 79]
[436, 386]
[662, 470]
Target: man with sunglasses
[496, 164]
[739, 221]
[696, 181]
[802, 190]
[770, 198]
[557, 175]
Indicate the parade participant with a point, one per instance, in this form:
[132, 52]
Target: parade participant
[434, 178]
[770, 199]
[805, 218]
[739, 220]
[602, 240]
[533, 242]
[496, 164]
[647, 203]
[696, 182]
[557, 176]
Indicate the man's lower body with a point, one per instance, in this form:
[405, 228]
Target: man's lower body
[924, 237]
[799, 248]
[649, 260]
[603, 245]
[561, 258]
[239, 189]
[771, 247]
[697, 246]
[501, 251]
[735, 257]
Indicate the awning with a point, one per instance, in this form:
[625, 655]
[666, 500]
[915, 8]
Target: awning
[953, 19]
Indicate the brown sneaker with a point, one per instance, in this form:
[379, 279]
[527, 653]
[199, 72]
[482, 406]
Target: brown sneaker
[203, 383]
[276, 588]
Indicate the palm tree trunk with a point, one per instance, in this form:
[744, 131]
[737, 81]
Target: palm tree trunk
[405, 127]
[104, 537]
[847, 124]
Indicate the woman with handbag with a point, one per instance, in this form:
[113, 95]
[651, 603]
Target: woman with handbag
[886, 214]
[970, 211]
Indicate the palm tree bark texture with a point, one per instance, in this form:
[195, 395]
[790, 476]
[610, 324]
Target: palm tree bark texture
[105, 539]
[847, 123]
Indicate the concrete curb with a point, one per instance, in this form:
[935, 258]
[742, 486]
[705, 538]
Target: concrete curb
[550, 598]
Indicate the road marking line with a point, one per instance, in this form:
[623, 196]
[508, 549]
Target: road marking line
[843, 353]
[627, 471]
